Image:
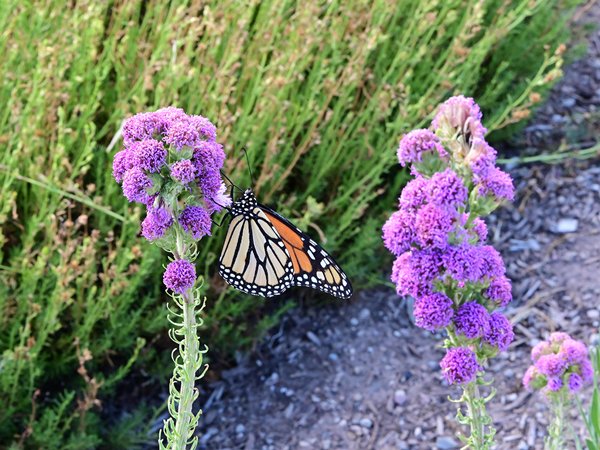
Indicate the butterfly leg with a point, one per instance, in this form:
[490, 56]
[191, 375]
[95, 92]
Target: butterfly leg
[220, 224]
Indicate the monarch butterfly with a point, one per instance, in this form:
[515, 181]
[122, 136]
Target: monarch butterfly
[264, 254]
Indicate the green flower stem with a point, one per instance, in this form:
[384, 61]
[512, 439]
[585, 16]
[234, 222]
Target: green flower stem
[477, 419]
[192, 359]
[188, 359]
[475, 405]
[555, 439]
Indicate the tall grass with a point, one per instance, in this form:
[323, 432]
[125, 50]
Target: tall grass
[318, 92]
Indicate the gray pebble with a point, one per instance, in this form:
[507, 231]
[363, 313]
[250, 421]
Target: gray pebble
[364, 314]
[366, 422]
[445, 443]
[400, 397]
[313, 338]
[566, 225]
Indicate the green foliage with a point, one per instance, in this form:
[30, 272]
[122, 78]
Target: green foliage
[318, 92]
[592, 416]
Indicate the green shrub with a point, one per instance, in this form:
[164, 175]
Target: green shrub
[318, 92]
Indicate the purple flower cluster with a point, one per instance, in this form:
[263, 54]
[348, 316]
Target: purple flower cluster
[171, 163]
[459, 365]
[416, 144]
[169, 151]
[439, 241]
[459, 114]
[559, 362]
[179, 276]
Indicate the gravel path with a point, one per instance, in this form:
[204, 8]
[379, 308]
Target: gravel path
[361, 376]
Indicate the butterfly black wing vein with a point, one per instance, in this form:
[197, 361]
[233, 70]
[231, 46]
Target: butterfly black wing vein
[265, 254]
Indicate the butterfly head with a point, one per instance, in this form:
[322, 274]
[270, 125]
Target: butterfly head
[245, 203]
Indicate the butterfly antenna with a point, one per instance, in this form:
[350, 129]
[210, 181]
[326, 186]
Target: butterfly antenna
[231, 182]
[249, 166]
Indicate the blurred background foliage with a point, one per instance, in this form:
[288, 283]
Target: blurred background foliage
[319, 93]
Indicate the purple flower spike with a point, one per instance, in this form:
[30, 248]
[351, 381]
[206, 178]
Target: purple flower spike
[575, 382]
[141, 126]
[414, 195]
[497, 184]
[481, 158]
[196, 221]
[205, 127]
[491, 262]
[183, 171]
[500, 333]
[433, 224]
[135, 185]
[398, 233]
[551, 365]
[574, 352]
[463, 263]
[459, 366]
[433, 312]
[558, 337]
[587, 371]
[480, 229]
[156, 223]
[447, 189]
[460, 113]
[180, 276]
[500, 291]
[554, 384]
[122, 162]
[530, 376]
[438, 238]
[182, 134]
[218, 201]
[416, 144]
[149, 154]
[414, 272]
[542, 348]
[472, 320]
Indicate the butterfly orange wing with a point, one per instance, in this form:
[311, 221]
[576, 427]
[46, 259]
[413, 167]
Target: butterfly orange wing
[313, 266]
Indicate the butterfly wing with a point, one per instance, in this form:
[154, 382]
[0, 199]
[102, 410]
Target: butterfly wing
[312, 266]
[254, 258]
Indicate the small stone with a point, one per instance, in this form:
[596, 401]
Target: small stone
[566, 225]
[333, 357]
[568, 102]
[273, 379]
[356, 430]
[509, 373]
[593, 314]
[366, 422]
[354, 321]
[313, 338]
[512, 397]
[240, 429]
[400, 397]
[445, 443]
[364, 314]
